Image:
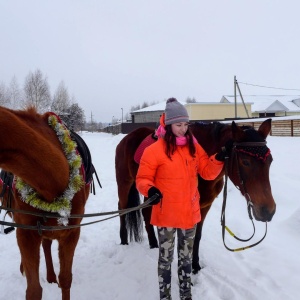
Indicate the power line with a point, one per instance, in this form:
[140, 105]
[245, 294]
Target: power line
[268, 87]
[266, 95]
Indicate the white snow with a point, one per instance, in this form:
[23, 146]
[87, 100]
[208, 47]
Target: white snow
[103, 269]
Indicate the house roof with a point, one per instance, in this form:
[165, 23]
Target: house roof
[156, 107]
[269, 103]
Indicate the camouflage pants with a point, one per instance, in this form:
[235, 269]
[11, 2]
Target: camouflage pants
[185, 242]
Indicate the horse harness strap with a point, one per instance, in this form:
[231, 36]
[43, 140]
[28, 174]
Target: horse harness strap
[234, 157]
[39, 227]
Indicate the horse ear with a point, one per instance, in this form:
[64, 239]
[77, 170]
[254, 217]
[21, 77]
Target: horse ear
[237, 132]
[265, 128]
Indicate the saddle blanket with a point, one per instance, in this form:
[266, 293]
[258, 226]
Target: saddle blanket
[149, 140]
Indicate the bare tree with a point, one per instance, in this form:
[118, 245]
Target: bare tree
[36, 92]
[145, 104]
[190, 100]
[4, 99]
[136, 107]
[14, 93]
[61, 100]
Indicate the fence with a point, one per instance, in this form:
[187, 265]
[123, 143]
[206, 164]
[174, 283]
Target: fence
[127, 127]
[280, 126]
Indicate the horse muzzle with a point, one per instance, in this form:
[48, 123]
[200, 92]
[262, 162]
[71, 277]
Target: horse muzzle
[263, 213]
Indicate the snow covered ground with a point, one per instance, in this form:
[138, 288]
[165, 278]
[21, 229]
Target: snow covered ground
[103, 269]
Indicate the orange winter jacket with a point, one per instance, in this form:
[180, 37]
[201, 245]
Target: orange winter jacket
[177, 180]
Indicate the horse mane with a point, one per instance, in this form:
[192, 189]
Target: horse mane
[211, 136]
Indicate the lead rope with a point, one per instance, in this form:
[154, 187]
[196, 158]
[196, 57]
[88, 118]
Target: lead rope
[223, 223]
[39, 227]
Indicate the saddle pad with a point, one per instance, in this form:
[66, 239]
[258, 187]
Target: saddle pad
[149, 140]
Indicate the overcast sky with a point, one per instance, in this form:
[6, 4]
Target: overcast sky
[120, 53]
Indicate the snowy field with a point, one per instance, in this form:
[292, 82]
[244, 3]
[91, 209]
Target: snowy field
[103, 269]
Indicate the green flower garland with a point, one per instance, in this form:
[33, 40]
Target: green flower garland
[61, 205]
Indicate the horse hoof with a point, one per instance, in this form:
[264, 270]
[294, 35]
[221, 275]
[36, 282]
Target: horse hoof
[196, 268]
[52, 280]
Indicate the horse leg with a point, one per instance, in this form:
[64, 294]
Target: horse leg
[29, 244]
[66, 250]
[51, 276]
[123, 192]
[123, 231]
[149, 228]
[195, 262]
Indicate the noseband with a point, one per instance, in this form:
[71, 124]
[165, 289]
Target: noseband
[260, 151]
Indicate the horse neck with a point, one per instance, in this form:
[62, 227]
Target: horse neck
[30, 150]
[212, 136]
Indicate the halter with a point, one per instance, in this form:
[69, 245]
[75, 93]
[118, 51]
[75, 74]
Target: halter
[260, 151]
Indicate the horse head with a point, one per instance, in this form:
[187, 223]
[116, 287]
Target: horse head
[249, 166]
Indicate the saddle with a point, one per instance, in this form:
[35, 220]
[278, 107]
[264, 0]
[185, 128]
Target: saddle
[147, 141]
[7, 179]
[85, 154]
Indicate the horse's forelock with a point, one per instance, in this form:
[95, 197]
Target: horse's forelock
[251, 135]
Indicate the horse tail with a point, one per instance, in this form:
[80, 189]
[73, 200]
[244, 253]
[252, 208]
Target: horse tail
[134, 220]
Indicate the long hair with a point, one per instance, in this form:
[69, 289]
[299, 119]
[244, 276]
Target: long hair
[170, 140]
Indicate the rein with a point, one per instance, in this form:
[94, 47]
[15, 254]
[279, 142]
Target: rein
[39, 227]
[245, 145]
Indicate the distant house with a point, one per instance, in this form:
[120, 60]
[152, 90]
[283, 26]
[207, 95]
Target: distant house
[204, 111]
[197, 111]
[270, 105]
[252, 107]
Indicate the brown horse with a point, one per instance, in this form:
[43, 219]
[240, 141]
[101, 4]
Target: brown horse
[248, 162]
[38, 151]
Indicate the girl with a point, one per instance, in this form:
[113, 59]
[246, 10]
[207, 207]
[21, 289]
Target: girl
[169, 169]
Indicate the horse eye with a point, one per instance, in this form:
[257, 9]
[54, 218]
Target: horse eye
[246, 162]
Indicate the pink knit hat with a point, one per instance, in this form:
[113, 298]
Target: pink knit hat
[175, 112]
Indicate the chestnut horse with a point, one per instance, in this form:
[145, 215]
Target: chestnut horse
[48, 173]
[248, 162]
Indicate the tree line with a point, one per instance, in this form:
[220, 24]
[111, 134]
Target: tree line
[36, 93]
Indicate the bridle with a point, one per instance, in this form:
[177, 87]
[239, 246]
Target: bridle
[260, 151]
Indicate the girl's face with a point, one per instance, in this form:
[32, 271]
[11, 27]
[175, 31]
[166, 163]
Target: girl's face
[179, 129]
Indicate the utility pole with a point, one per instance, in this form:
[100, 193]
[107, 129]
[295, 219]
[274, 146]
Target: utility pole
[236, 85]
[235, 108]
[122, 114]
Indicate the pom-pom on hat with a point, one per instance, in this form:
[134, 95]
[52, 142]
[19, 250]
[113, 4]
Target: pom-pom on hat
[175, 112]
